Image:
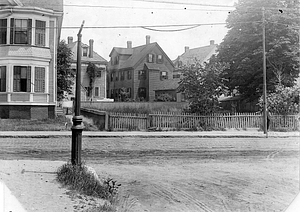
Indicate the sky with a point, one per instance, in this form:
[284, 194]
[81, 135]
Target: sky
[127, 13]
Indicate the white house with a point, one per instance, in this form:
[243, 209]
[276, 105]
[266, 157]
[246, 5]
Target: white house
[29, 35]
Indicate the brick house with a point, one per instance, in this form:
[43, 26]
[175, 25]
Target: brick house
[29, 36]
[89, 56]
[140, 71]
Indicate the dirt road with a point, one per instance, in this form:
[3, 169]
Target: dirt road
[175, 174]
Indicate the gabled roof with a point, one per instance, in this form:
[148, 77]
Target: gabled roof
[95, 59]
[55, 5]
[200, 54]
[137, 54]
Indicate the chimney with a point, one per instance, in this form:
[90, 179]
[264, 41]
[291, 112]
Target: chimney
[212, 42]
[70, 39]
[147, 39]
[91, 52]
[186, 49]
[129, 45]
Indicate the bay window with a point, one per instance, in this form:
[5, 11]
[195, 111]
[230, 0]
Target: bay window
[40, 33]
[3, 31]
[22, 79]
[2, 78]
[39, 79]
[20, 31]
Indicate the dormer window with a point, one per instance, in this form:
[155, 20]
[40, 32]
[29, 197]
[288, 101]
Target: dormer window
[20, 31]
[159, 58]
[84, 51]
[3, 31]
[150, 58]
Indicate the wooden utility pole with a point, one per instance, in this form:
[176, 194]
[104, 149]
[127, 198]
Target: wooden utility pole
[77, 119]
[264, 73]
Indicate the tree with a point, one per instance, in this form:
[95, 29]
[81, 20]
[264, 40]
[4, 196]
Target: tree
[65, 75]
[242, 46]
[203, 85]
[93, 72]
[284, 101]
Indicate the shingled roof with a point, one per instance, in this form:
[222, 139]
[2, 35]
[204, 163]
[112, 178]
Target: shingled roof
[137, 54]
[200, 55]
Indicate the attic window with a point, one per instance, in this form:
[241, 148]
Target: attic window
[150, 58]
[84, 51]
[159, 58]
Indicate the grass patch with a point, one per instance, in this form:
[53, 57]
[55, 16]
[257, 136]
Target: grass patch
[80, 179]
[56, 124]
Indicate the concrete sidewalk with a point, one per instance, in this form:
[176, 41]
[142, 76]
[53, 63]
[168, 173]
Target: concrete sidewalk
[8, 202]
[252, 133]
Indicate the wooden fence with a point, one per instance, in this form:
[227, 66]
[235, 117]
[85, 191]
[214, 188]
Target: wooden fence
[184, 121]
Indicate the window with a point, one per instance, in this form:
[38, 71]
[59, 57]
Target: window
[117, 76]
[142, 75]
[39, 79]
[122, 75]
[117, 60]
[2, 78]
[128, 91]
[129, 74]
[142, 93]
[22, 79]
[96, 91]
[159, 58]
[163, 75]
[84, 51]
[20, 31]
[150, 58]
[3, 31]
[112, 76]
[112, 93]
[40, 33]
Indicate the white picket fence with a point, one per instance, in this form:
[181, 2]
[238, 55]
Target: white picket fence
[185, 121]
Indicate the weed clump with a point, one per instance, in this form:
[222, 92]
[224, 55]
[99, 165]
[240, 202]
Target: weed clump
[79, 178]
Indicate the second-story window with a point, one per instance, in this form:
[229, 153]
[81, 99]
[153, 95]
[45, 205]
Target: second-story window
[20, 31]
[112, 76]
[122, 75]
[40, 33]
[3, 31]
[163, 75]
[129, 74]
[142, 75]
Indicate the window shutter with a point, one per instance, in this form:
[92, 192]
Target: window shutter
[28, 76]
[12, 22]
[29, 30]
[3, 78]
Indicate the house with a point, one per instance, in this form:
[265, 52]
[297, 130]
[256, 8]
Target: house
[140, 72]
[193, 56]
[98, 90]
[29, 36]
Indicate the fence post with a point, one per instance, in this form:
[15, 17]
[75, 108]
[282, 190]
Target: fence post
[106, 124]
